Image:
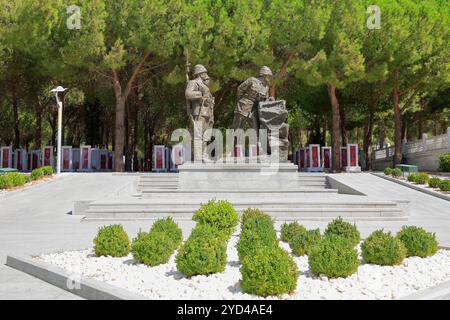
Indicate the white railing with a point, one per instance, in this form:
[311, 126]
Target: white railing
[425, 144]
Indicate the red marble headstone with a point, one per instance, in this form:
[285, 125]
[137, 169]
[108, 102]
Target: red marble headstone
[343, 157]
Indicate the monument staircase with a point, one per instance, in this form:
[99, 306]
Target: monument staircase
[281, 191]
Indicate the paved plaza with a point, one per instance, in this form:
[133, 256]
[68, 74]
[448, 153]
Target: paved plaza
[37, 220]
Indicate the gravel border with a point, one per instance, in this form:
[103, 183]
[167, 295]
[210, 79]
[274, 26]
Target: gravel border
[412, 186]
[92, 289]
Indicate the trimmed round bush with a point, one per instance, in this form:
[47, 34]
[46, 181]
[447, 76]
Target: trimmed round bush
[250, 213]
[383, 249]
[334, 257]
[412, 177]
[153, 248]
[220, 214]
[344, 229]
[444, 185]
[419, 178]
[303, 242]
[112, 241]
[203, 253]
[444, 162]
[6, 181]
[257, 231]
[388, 171]
[170, 228]
[434, 182]
[397, 172]
[47, 170]
[37, 174]
[289, 230]
[269, 272]
[418, 242]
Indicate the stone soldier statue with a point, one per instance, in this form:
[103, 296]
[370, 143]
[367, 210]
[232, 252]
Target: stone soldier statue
[200, 109]
[249, 94]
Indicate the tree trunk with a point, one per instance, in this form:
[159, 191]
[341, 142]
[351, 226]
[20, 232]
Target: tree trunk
[38, 130]
[398, 128]
[280, 73]
[344, 133]
[121, 99]
[119, 135]
[335, 128]
[420, 129]
[368, 129]
[15, 105]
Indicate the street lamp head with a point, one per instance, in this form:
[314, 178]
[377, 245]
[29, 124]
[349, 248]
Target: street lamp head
[58, 89]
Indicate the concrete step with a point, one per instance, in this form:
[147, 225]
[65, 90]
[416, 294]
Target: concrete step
[285, 213]
[205, 195]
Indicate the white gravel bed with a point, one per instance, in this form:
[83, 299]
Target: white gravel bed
[165, 282]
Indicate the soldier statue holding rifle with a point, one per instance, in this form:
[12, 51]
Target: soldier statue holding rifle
[200, 108]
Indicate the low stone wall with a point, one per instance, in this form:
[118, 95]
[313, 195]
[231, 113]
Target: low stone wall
[426, 161]
[423, 153]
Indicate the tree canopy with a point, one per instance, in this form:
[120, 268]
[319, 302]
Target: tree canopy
[125, 66]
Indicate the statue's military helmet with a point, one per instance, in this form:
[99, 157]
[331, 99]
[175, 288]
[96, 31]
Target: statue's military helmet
[199, 69]
[265, 71]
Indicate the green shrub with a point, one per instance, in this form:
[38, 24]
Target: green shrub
[434, 182]
[344, 229]
[303, 242]
[444, 162]
[27, 178]
[112, 241]
[219, 214]
[204, 252]
[383, 249]
[444, 185]
[418, 242]
[388, 171]
[397, 172]
[250, 213]
[47, 171]
[153, 248]
[170, 228]
[270, 272]
[18, 179]
[6, 181]
[11, 180]
[257, 231]
[334, 257]
[419, 178]
[288, 230]
[37, 174]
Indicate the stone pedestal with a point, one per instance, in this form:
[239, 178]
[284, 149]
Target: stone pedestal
[237, 176]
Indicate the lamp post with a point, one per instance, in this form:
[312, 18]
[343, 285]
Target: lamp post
[60, 105]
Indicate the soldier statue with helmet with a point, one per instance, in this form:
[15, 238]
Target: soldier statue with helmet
[200, 108]
[249, 94]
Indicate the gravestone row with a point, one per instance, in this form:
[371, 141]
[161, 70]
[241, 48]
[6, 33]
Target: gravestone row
[84, 158]
[315, 158]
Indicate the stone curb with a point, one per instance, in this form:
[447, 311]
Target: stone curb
[90, 289]
[411, 186]
[438, 292]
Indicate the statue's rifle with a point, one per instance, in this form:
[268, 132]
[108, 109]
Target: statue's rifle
[186, 70]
